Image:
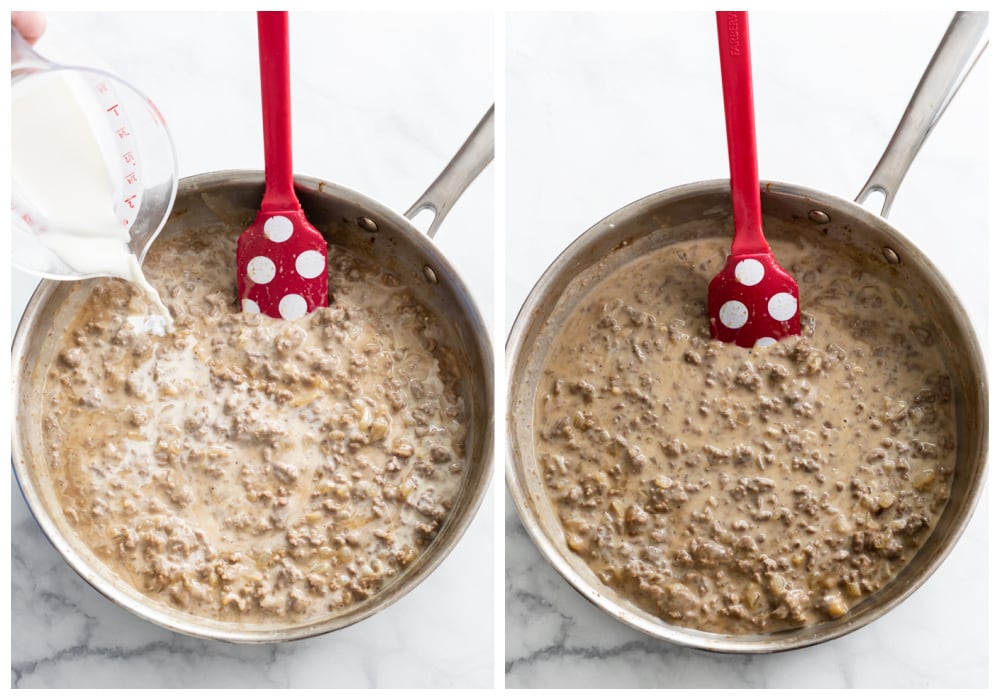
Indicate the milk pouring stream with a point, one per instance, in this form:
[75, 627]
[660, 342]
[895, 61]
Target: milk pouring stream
[61, 171]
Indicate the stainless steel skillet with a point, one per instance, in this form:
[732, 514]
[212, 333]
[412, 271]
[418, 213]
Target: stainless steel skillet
[353, 220]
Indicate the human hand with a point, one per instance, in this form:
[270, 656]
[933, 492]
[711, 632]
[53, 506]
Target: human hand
[30, 25]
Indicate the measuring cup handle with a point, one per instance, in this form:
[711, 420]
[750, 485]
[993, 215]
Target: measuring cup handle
[23, 58]
[474, 155]
[960, 47]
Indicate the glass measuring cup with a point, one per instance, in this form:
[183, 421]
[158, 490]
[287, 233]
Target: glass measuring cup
[93, 169]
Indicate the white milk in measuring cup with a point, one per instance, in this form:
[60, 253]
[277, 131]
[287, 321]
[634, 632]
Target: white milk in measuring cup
[85, 197]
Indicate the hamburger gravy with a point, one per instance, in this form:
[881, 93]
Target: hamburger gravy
[247, 468]
[745, 491]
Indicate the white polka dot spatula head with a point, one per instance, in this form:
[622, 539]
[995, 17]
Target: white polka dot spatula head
[753, 301]
[281, 258]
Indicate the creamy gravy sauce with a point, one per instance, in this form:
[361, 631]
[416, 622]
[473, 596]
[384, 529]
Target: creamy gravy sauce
[247, 468]
[745, 491]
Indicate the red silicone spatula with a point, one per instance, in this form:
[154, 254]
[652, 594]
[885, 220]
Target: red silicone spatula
[753, 301]
[281, 258]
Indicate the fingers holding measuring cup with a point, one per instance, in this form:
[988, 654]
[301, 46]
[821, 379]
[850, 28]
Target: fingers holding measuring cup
[30, 25]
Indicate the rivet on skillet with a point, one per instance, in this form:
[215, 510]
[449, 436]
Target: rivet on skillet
[430, 275]
[890, 256]
[367, 224]
[820, 217]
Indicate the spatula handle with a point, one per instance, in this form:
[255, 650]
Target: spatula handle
[276, 107]
[737, 93]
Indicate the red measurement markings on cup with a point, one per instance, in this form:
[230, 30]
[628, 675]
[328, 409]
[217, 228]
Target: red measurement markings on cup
[129, 171]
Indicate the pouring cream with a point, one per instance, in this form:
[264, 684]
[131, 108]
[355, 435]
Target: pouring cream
[60, 170]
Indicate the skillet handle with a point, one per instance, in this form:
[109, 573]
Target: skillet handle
[960, 47]
[474, 155]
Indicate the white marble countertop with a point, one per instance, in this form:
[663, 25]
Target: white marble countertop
[605, 109]
[380, 104]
